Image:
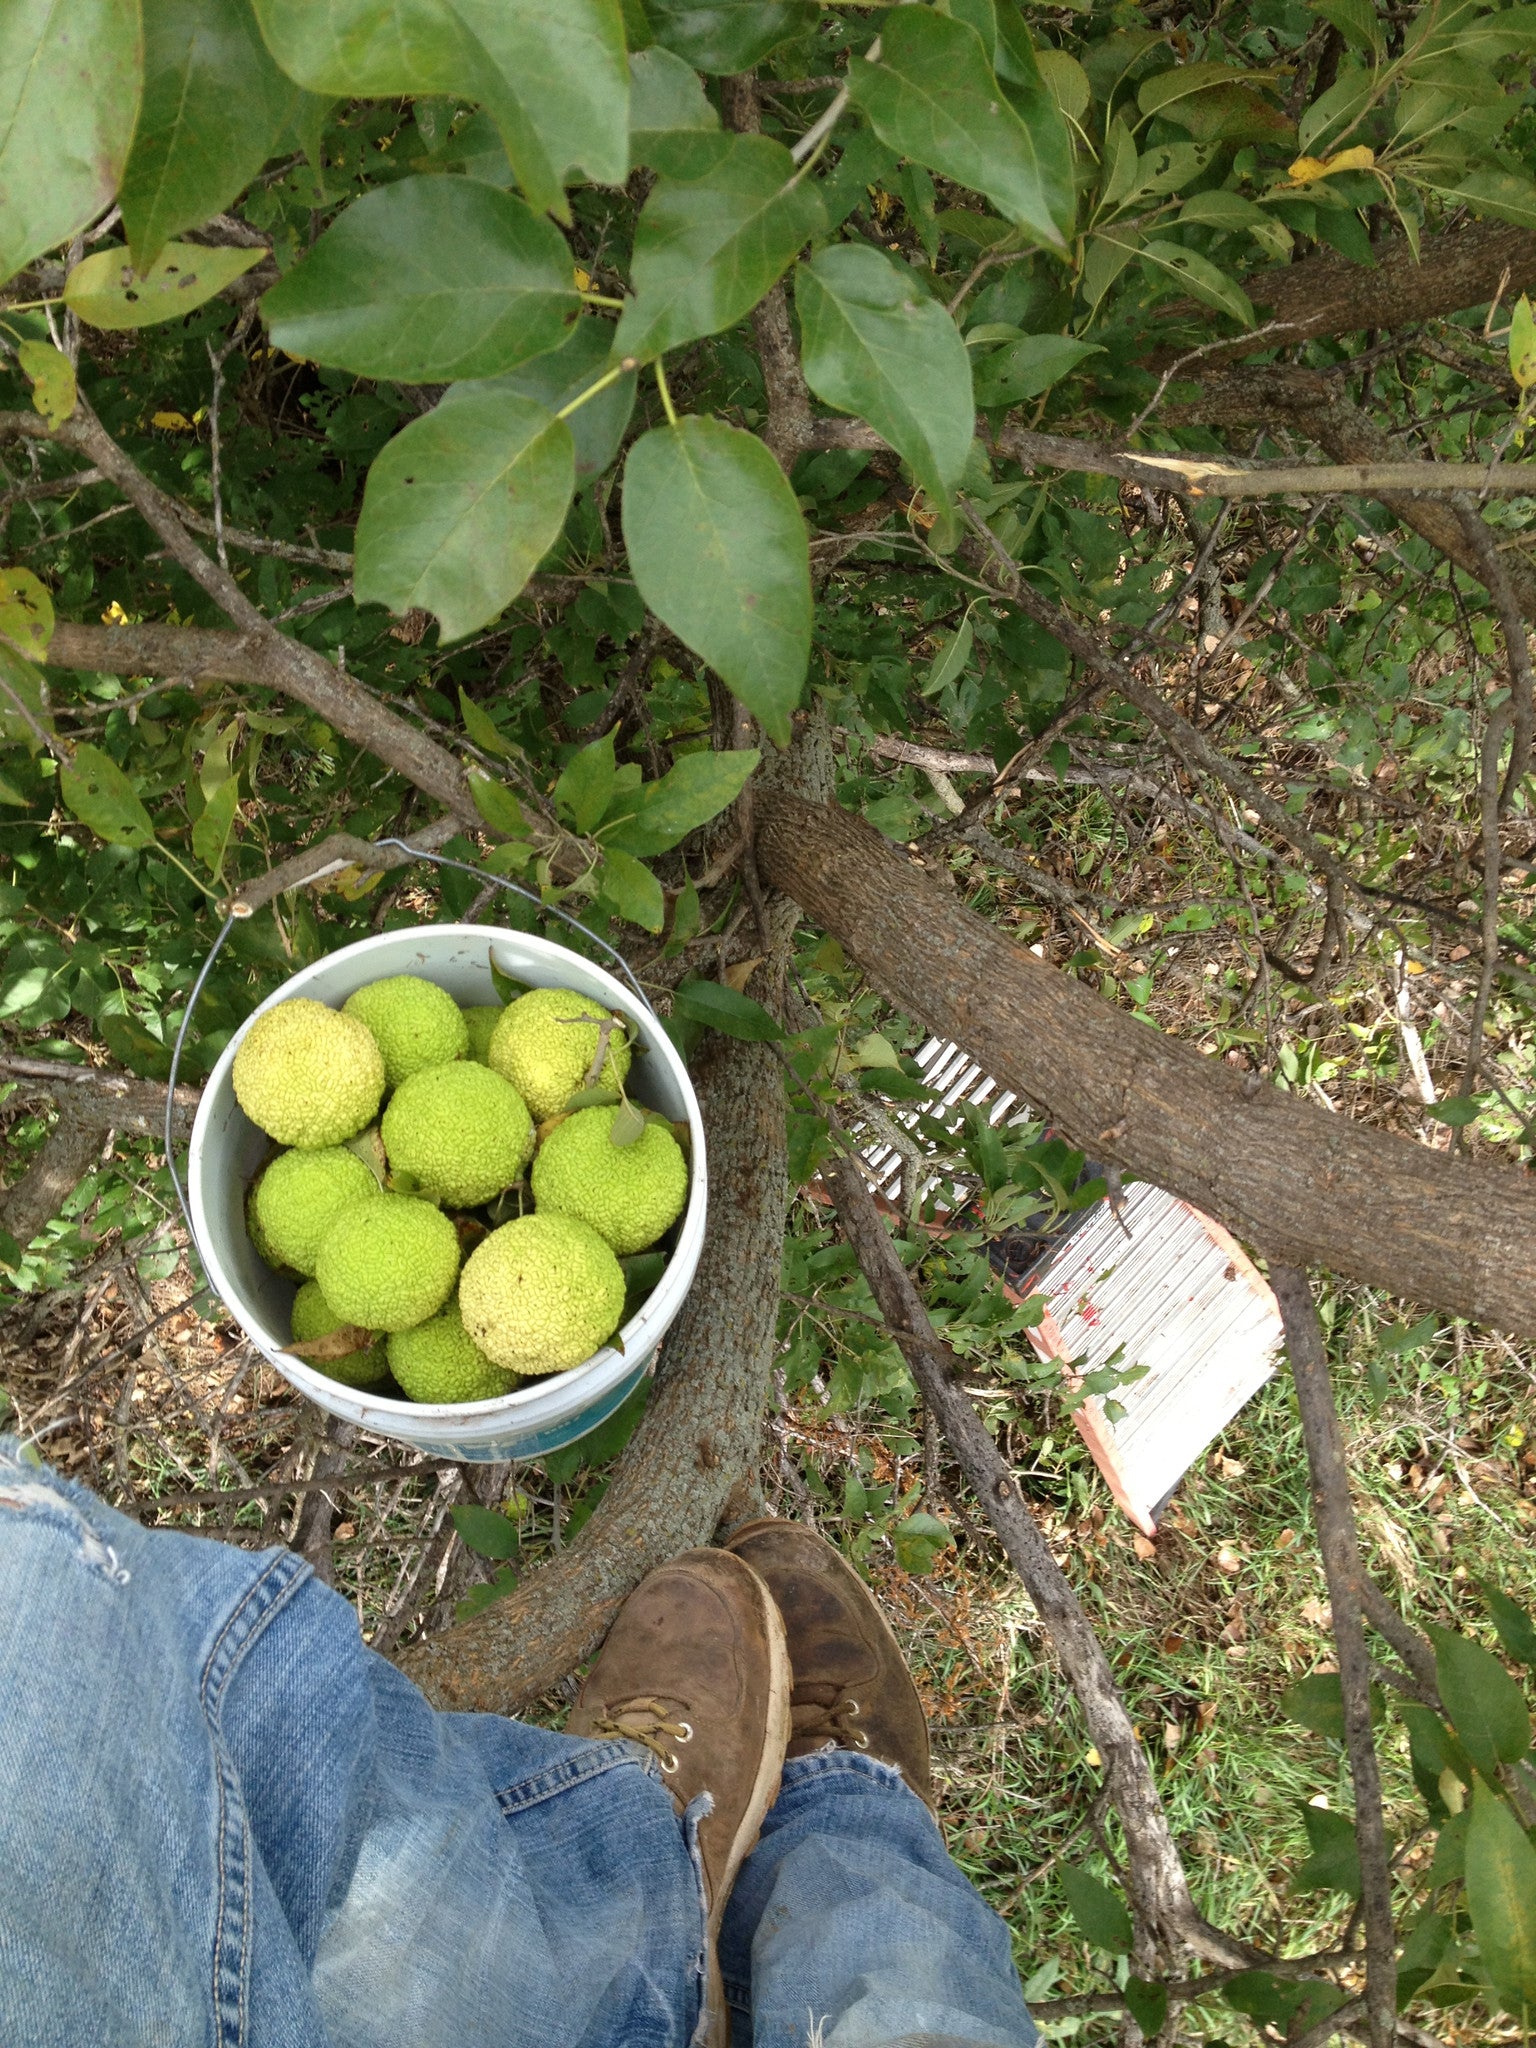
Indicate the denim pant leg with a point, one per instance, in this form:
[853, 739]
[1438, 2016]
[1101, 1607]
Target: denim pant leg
[224, 1821]
[849, 1921]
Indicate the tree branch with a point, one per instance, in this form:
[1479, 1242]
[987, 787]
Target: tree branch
[698, 1436]
[1156, 1880]
[1271, 1166]
[1345, 1575]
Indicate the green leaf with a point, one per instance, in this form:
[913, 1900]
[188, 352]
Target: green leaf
[101, 796]
[1516, 1632]
[210, 835]
[22, 684]
[1433, 1750]
[1501, 1898]
[1456, 1110]
[1263, 1996]
[107, 291]
[214, 108]
[26, 612]
[666, 100]
[628, 1127]
[949, 663]
[485, 1532]
[1334, 1864]
[718, 549]
[1522, 344]
[483, 729]
[553, 78]
[1147, 2004]
[628, 887]
[428, 278]
[1481, 1701]
[11, 1255]
[586, 784]
[933, 97]
[1027, 367]
[876, 345]
[1236, 215]
[461, 506]
[1317, 1703]
[497, 805]
[724, 1009]
[708, 246]
[562, 374]
[52, 377]
[70, 75]
[918, 1541]
[1355, 21]
[1200, 277]
[1101, 1917]
[696, 788]
[723, 36]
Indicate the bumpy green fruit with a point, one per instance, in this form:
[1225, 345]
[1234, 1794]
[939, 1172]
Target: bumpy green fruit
[261, 1244]
[301, 1194]
[314, 1317]
[629, 1194]
[308, 1075]
[541, 1294]
[482, 1019]
[440, 1361]
[416, 1023]
[546, 1056]
[460, 1132]
[388, 1262]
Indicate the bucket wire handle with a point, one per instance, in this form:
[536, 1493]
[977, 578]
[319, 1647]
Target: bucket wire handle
[438, 860]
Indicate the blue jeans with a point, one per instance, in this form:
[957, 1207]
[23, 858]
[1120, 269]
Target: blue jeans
[223, 1820]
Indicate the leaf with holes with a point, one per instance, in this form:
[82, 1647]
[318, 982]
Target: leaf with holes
[70, 73]
[107, 291]
[718, 549]
[100, 795]
[933, 96]
[461, 506]
[26, 613]
[1522, 344]
[877, 345]
[708, 246]
[52, 377]
[1200, 277]
[215, 106]
[428, 278]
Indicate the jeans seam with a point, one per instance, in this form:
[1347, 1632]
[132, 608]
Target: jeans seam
[590, 1762]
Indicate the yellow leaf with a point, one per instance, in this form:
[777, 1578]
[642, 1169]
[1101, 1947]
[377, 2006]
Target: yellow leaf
[52, 378]
[114, 615]
[1093, 1758]
[1308, 169]
[173, 422]
[583, 279]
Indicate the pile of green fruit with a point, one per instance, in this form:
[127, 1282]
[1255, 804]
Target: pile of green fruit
[470, 1236]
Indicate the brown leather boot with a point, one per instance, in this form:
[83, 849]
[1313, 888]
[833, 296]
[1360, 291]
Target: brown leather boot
[696, 1670]
[852, 1688]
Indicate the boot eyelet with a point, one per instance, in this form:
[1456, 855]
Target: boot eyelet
[852, 1710]
[669, 1765]
[861, 1740]
[684, 1732]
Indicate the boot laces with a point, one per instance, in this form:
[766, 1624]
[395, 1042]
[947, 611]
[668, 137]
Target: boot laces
[827, 1721]
[650, 1723]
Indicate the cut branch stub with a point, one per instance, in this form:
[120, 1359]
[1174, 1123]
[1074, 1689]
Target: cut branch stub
[1308, 1186]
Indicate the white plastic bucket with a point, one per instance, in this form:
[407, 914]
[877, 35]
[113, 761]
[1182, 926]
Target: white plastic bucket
[226, 1149]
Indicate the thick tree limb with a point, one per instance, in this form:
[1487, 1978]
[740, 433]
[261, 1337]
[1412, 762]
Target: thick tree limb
[1274, 1168]
[91, 1101]
[1345, 1575]
[699, 1435]
[1155, 1876]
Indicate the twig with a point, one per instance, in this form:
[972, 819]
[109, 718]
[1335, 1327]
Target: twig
[1345, 1577]
[1488, 796]
[1158, 1885]
[1522, 685]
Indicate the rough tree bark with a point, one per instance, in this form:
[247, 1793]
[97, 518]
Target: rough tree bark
[1309, 1187]
[698, 1437]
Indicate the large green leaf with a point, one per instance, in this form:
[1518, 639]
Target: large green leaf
[1199, 276]
[1029, 366]
[934, 97]
[70, 74]
[719, 552]
[101, 796]
[1334, 1864]
[214, 107]
[562, 374]
[1501, 1897]
[725, 1009]
[628, 887]
[1481, 1701]
[696, 788]
[1101, 1917]
[1501, 195]
[727, 35]
[708, 246]
[460, 506]
[107, 291]
[666, 106]
[875, 344]
[553, 77]
[429, 278]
